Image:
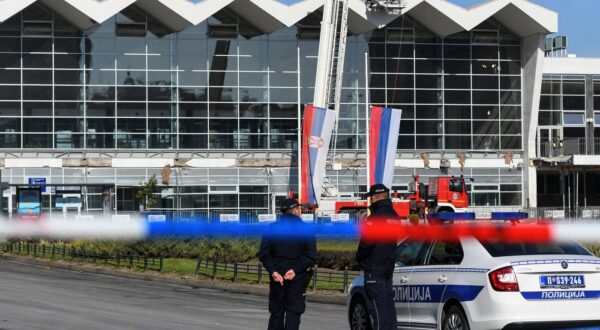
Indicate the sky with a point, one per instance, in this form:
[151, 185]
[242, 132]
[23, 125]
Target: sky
[579, 20]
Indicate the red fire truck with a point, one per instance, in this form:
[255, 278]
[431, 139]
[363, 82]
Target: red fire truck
[441, 194]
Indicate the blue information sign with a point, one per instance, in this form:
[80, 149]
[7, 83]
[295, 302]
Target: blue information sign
[38, 182]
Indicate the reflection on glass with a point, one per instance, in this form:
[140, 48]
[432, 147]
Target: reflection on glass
[131, 141]
[280, 141]
[162, 141]
[485, 142]
[100, 125]
[66, 140]
[222, 141]
[189, 141]
[457, 142]
[193, 125]
[37, 141]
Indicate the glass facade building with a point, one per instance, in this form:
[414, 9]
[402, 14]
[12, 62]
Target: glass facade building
[569, 126]
[132, 85]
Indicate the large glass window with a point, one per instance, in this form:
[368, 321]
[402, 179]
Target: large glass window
[563, 103]
[574, 118]
[222, 84]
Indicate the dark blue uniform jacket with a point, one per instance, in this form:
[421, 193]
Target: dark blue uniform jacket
[378, 258]
[288, 245]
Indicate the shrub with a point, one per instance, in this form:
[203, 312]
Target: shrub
[337, 260]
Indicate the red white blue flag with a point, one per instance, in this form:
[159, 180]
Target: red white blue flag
[316, 134]
[383, 140]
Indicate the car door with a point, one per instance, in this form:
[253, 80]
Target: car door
[429, 281]
[408, 255]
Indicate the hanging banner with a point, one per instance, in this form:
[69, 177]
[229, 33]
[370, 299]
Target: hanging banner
[383, 140]
[316, 134]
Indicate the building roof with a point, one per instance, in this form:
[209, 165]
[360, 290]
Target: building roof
[440, 16]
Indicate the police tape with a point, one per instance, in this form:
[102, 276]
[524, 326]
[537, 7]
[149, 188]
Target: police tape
[527, 231]
[59, 228]
[139, 228]
[485, 231]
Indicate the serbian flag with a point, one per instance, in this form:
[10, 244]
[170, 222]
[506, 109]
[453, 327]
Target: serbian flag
[316, 134]
[383, 140]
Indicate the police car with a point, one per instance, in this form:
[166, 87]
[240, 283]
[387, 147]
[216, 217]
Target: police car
[470, 284]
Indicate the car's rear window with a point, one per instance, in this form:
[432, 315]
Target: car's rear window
[497, 249]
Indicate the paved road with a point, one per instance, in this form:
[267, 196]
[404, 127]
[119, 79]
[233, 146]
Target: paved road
[34, 297]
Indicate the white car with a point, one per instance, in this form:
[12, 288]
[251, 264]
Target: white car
[473, 285]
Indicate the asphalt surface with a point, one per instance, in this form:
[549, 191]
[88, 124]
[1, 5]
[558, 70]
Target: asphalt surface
[36, 297]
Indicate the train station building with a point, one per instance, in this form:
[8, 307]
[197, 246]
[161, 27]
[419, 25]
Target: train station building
[96, 97]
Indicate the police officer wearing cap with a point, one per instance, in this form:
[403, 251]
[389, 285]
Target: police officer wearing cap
[287, 252]
[377, 259]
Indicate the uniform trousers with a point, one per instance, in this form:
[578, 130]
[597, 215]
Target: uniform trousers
[287, 303]
[380, 302]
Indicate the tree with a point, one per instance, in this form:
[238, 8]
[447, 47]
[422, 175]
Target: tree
[146, 192]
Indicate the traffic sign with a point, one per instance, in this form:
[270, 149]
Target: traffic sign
[38, 182]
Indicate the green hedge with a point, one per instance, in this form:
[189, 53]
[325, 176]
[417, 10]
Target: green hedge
[337, 260]
[330, 254]
[223, 250]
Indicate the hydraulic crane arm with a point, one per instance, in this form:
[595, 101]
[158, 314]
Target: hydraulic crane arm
[332, 41]
[328, 86]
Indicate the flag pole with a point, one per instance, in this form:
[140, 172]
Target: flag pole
[367, 118]
[299, 112]
[367, 139]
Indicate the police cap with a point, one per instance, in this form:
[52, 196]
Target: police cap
[377, 189]
[288, 204]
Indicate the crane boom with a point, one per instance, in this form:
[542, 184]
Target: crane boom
[328, 86]
[329, 50]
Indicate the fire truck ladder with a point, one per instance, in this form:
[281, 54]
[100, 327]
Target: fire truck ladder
[337, 67]
[332, 51]
[330, 67]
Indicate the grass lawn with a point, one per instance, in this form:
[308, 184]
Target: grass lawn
[180, 266]
[346, 245]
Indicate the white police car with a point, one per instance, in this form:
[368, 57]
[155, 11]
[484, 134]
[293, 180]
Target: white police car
[473, 285]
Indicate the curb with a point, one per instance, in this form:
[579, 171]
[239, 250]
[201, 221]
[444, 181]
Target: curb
[257, 290]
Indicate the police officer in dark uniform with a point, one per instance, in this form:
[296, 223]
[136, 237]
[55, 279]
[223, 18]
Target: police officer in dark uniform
[377, 259]
[287, 252]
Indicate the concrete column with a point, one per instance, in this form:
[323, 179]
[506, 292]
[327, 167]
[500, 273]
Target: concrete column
[589, 114]
[533, 60]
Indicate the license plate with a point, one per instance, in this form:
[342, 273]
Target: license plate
[562, 281]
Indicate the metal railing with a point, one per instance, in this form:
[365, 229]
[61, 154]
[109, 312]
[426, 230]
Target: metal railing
[321, 279]
[64, 253]
[559, 213]
[570, 146]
